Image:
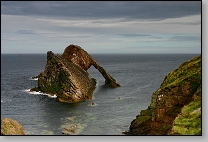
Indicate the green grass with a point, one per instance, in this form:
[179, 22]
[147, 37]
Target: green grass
[142, 119]
[189, 121]
[189, 69]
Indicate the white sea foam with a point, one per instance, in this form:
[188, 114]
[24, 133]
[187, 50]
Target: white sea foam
[54, 96]
[145, 86]
[40, 93]
[4, 101]
[33, 78]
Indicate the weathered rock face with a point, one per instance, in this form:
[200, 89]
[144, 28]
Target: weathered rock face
[180, 88]
[65, 79]
[78, 56]
[66, 75]
[81, 58]
[11, 127]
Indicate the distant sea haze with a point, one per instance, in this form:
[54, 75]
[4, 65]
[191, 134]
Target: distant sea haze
[110, 112]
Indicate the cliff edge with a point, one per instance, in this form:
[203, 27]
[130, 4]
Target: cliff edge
[175, 107]
[66, 75]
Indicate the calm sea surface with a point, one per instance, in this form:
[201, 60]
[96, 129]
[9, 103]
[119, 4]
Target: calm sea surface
[139, 76]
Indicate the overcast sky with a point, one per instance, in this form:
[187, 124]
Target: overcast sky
[101, 27]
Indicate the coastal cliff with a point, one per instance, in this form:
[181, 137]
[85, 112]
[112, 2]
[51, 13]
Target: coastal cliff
[11, 127]
[175, 107]
[66, 75]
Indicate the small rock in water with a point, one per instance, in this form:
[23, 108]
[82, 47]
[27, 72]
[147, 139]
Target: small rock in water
[91, 103]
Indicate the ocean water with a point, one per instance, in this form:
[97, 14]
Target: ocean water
[113, 109]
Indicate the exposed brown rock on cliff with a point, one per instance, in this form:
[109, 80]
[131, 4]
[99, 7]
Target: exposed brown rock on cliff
[66, 75]
[179, 88]
[11, 127]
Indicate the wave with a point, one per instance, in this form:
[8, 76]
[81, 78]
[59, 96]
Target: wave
[39, 93]
[4, 101]
[145, 86]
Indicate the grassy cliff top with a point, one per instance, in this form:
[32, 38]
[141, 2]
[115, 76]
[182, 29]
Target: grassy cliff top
[190, 69]
[188, 121]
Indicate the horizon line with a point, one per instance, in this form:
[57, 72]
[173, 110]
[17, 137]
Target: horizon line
[110, 53]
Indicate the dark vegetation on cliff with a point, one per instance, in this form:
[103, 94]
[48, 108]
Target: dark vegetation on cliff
[175, 108]
[66, 75]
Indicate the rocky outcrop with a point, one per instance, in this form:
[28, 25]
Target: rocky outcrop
[66, 75]
[11, 127]
[82, 59]
[175, 108]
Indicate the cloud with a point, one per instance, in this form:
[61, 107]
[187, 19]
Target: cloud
[185, 38]
[30, 32]
[104, 9]
[102, 27]
[164, 49]
[14, 39]
[133, 35]
[122, 26]
[185, 23]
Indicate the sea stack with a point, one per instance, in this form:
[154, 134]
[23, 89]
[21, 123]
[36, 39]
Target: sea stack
[66, 75]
